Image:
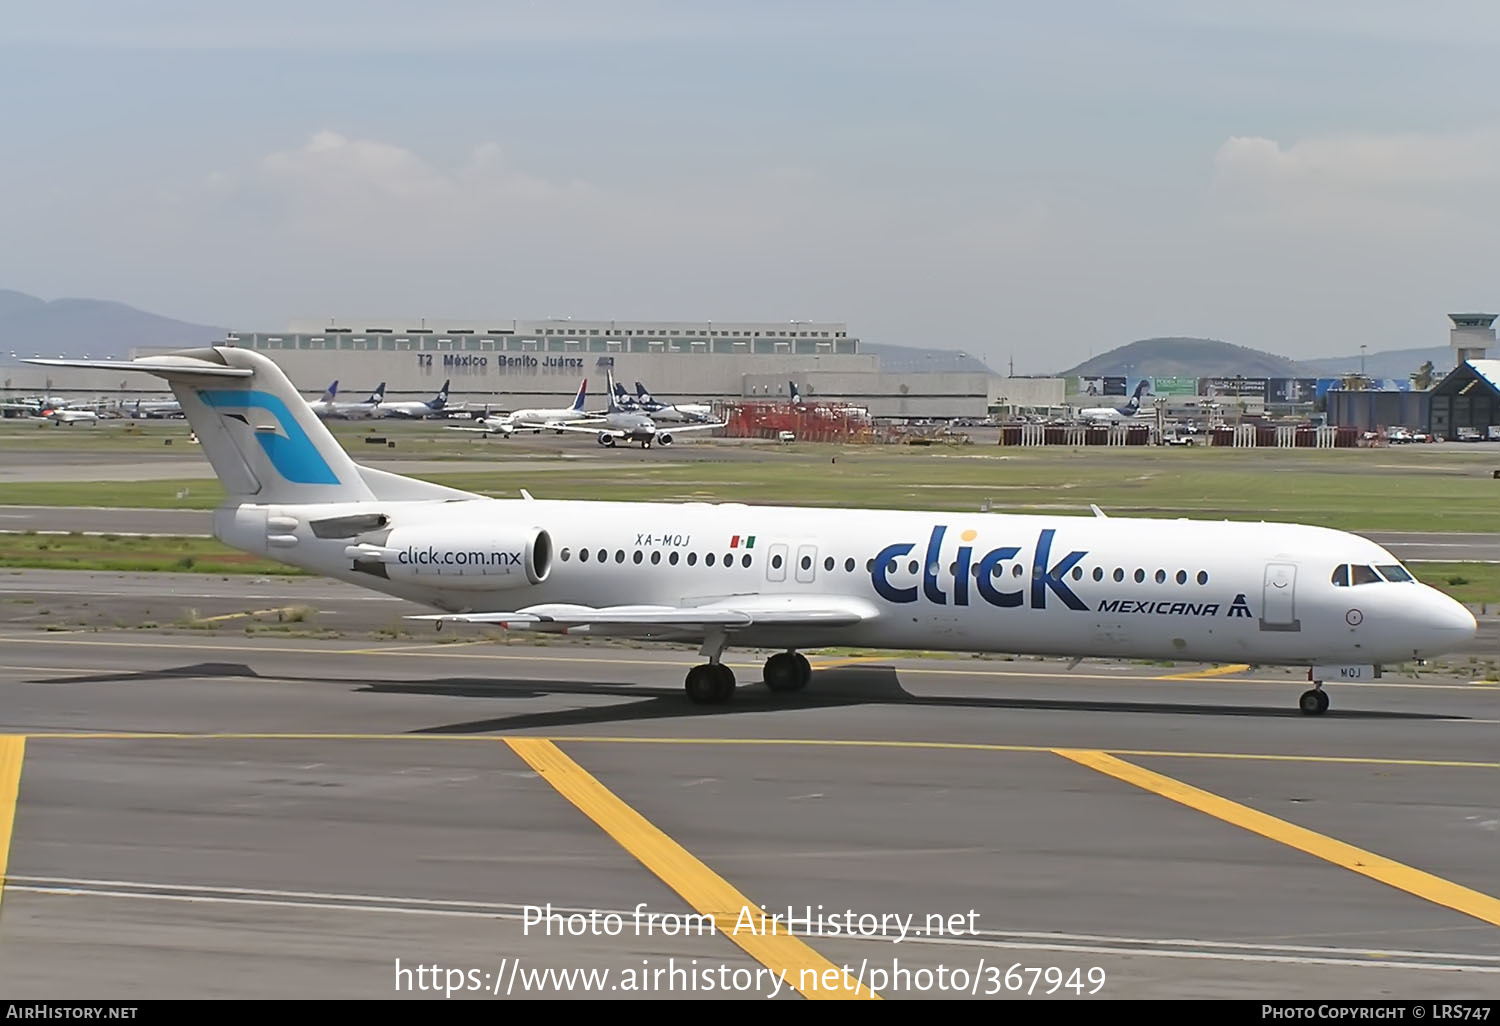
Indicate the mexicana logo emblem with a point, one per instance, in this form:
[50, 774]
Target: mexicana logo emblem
[292, 453]
[1044, 579]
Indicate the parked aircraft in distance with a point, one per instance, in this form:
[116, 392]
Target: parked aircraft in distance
[1125, 412]
[792, 578]
[328, 405]
[437, 406]
[148, 409]
[631, 425]
[677, 413]
[535, 420]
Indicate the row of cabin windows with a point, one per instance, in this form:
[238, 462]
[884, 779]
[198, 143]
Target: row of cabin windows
[830, 564]
[1352, 574]
[673, 557]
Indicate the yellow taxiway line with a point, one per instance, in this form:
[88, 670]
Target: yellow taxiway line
[1377, 867]
[1212, 671]
[707, 892]
[12, 754]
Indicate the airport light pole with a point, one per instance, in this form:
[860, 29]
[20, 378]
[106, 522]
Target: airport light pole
[1361, 359]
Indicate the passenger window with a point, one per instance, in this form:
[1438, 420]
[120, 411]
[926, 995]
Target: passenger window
[1202, 576]
[656, 557]
[583, 555]
[1119, 574]
[672, 559]
[828, 563]
[1140, 575]
[564, 554]
[849, 565]
[619, 555]
[729, 559]
[708, 560]
[1078, 573]
[1015, 571]
[775, 562]
[745, 560]
[869, 566]
[603, 556]
[807, 564]
[1364, 575]
[1098, 573]
[692, 559]
[1182, 577]
[637, 556]
[1161, 577]
[1394, 573]
[911, 567]
[1341, 576]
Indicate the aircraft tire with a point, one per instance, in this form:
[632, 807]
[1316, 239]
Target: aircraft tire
[1313, 702]
[784, 672]
[710, 684]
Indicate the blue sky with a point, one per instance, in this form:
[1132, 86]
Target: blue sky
[1036, 181]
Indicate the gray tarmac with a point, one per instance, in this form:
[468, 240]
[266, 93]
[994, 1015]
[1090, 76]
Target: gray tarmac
[211, 813]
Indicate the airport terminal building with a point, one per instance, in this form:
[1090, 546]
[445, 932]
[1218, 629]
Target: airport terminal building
[516, 364]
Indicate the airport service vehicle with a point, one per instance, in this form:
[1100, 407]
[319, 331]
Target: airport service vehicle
[788, 578]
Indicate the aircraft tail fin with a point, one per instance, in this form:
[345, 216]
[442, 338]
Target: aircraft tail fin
[792, 391]
[330, 393]
[265, 444]
[582, 397]
[441, 399]
[378, 396]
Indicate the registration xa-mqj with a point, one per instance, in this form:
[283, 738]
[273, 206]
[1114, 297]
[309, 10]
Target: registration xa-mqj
[789, 579]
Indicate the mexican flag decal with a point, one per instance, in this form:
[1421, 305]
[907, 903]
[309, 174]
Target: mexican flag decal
[740, 541]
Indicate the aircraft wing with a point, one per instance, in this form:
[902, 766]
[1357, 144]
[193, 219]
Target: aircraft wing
[678, 428]
[595, 430]
[728, 614]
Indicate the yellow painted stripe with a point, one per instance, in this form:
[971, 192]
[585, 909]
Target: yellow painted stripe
[1377, 867]
[960, 746]
[12, 754]
[702, 888]
[1212, 671]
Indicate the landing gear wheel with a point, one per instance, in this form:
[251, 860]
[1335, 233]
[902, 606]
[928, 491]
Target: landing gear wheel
[787, 671]
[710, 684]
[1314, 702]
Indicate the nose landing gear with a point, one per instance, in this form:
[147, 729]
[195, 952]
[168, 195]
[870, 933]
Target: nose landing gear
[1315, 701]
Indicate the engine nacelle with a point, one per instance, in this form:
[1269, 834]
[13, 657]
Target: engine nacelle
[662, 438]
[478, 558]
[605, 438]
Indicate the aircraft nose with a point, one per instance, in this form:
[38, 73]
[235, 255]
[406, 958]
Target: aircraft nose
[1450, 623]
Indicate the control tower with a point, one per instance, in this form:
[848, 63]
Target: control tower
[1472, 336]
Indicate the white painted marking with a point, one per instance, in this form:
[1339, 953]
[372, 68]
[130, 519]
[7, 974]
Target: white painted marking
[1009, 940]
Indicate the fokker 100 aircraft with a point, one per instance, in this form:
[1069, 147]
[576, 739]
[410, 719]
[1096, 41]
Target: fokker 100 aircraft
[786, 578]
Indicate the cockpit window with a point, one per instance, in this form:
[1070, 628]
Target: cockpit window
[1341, 575]
[1395, 573]
[1363, 575]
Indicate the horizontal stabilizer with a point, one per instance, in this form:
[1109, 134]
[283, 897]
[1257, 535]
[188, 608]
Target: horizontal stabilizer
[161, 365]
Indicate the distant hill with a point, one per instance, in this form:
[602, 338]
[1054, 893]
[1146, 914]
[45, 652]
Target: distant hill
[88, 327]
[914, 360]
[1186, 358]
[1394, 363]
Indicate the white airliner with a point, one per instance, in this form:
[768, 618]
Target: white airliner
[621, 424]
[536, 420]
[787, 578]
[437, 406]
[678, 413]
[328, 405]
[1117, 413]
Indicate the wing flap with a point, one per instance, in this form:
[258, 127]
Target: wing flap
[751, 611]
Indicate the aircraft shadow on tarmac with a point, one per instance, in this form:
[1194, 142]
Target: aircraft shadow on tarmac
[832, 688]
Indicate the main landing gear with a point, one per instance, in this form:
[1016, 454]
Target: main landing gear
[1315, 701]
[712, 683]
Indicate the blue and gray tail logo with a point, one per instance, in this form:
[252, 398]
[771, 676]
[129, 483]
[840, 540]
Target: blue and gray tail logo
[294, 455]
